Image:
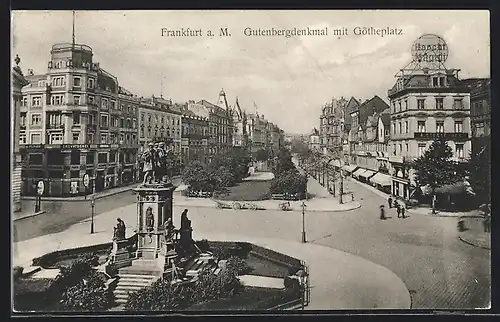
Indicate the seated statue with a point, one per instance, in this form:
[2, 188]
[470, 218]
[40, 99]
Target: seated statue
[119, 230]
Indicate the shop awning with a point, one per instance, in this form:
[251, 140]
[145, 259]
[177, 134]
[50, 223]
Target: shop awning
[358, 172]
[367, 174]
[349, 168]
[382, 179]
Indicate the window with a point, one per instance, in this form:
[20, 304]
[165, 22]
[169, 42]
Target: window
[76, 118]
[113, 105]
[36, 101]
[407, 147]
[479, 129]
[22, 119]
[442, 81]
[91, 100]
[57, 100]
[104, 103]
[102, 157]
[458, 103]
[35, 158]
[76, 99]
[36, 138]
[393, 128]
[406, 105]
[75, 157]
[435, 81]
[77, 82]
[56, 138]
[458, 127]
[36, 119]
[24, 101]
[406, 127]
[76, 138]
[439, 103]
[22, 138]
[104, 120]
[104, 138]
[421, 150]
[91, 83]
[421, 126]
[58, 81]
[89, 158]
[440, 126]
[421, 103]
[142, 117]
[459, 151]
[400, 149]
[90, 138]
[112, 157]
[399, 127]
[41, 83]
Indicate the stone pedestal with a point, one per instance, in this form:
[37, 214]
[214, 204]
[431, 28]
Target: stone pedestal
[154, 207]
[119, 254]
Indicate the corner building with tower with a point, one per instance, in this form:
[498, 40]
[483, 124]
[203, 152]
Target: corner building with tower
[75, 119]
[428, 101]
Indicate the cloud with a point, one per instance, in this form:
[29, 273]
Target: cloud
[289, 78]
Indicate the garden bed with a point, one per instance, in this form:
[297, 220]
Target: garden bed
[248, 191]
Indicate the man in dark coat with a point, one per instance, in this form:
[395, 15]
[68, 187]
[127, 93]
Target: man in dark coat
[390, 201]
[403, 210]
[398, 209]
[382, 212]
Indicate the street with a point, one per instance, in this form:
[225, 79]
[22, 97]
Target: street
[69, 213]
[438, 269]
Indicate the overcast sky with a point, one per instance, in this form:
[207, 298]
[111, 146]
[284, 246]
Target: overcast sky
[288, 78]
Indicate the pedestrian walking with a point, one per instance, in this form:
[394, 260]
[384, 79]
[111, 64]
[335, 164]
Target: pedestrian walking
[403, 210]
[390, 202]
[352, 196]
[382, 212]
[398, 209]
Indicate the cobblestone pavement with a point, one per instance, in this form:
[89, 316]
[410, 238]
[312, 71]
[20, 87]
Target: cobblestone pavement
[439, 270]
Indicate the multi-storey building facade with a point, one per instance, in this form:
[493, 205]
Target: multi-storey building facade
[240, 125]
[314, 141]
[256, 130]
[18, 81]
[426, 104]
[352, 105]
[159, 121]
[480, 110]
[194, 136]
[220, 124]
[361, 117]
[331, 126]
[65, 125]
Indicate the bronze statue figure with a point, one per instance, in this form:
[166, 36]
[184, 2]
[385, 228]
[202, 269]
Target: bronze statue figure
[150, 220]
[119, 230]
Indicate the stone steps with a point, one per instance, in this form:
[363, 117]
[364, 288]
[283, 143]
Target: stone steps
[132, 282]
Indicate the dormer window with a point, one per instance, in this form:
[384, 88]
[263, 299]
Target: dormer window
[438, 81]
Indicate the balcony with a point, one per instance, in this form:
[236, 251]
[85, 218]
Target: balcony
[453, 136]
[54, 126]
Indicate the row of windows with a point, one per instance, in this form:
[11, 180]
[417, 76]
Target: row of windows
[422, 147]
[167, 120]
[400, 127]
[60, 99]
[402, 105]
[58, 138]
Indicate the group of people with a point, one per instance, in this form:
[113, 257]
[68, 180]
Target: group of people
[393, 203]
[155, 162]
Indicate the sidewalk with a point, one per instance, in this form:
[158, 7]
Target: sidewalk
[338, 280]
[312, 205]
[475, 234]
[417, 211]
[97, 195]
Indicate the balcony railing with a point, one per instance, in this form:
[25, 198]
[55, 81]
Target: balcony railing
[426, 85]
[54, 126]
[446, 136]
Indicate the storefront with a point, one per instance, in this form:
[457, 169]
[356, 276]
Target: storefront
[62, 167]
[382, 181]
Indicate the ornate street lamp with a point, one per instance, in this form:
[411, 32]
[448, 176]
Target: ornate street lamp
[303, 205]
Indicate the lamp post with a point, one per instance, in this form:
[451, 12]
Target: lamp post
[92, 204]
[303, 205]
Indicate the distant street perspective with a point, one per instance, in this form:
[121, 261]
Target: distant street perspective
[141, 203]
